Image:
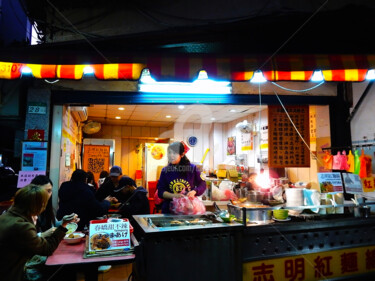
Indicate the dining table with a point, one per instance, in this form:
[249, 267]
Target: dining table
[69, 259]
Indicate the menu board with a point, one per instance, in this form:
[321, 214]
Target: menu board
[109, 234]
[285, 147]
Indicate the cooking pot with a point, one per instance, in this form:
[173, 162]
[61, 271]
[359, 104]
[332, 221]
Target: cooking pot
[254, 196]
[258, 215]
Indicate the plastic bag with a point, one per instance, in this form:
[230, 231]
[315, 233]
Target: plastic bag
[187, 206]
[157, 200]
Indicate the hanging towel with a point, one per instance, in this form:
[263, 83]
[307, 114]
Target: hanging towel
[344, 161]
[336, 165]
[357, 163]
[327, 160]
[350, 162]
[362, 170]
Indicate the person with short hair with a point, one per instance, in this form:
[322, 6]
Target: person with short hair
[47, 219]
[106, 189]
[132, 199]
[18, 235]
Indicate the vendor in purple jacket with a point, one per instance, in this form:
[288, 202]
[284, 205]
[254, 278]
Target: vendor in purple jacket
[180, 175]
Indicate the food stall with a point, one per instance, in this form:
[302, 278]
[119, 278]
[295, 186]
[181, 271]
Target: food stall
[172, 247]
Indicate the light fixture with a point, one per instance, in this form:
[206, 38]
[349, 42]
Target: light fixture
[168, 116]
[121, 108]
[232, 110]
[370, 74]
[88, 70]
[213, 118]
[156, 139]
[26, 70]
[118, 117]
[202, 85]
[181, 106]
[258, 77]
[317, 76]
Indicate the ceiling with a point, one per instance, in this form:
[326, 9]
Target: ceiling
[155, 115]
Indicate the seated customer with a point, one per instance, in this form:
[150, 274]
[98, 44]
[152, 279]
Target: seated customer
[133, 200]
[75, 196]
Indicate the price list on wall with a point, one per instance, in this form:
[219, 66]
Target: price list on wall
[286, 148]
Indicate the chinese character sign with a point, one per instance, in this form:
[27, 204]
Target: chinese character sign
[286, 148]
[96, 159]
[25, 177]
[109, 234]
[316, 266]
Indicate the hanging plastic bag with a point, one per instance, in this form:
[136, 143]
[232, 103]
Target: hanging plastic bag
[187, 206]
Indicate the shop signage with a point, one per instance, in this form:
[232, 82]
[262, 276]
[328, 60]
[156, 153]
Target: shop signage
[109, 234]
[25, 177]
[34, 156]
[96, 159]
[330, 182]
[317, 266]
[285, 146]
[368, 184]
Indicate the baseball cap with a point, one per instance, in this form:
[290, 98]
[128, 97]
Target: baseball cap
[124, 181]
[115, 171]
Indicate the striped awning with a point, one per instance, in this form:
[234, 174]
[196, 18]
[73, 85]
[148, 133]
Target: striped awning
[186, 68]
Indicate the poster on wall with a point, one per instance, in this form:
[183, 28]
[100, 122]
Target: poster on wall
[34, 156]
[231, 146]
[96, 159]
[285, 146]
[330, 182]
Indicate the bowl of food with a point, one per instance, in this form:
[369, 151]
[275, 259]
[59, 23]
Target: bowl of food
[71, 227]
[74, 238]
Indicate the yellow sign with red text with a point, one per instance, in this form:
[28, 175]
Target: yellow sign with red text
[368, 184]
[309, 267]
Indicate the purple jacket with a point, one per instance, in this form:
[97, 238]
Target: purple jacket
[174, 180]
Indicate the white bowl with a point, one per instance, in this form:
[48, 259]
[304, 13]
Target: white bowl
[77, 237]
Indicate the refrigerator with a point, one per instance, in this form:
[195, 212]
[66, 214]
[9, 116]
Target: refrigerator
[155, 158]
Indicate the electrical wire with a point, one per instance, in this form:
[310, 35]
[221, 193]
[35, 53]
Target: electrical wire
[294, 33]
[298, 91]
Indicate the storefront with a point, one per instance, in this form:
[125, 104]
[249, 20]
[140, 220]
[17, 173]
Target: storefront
[329, 105]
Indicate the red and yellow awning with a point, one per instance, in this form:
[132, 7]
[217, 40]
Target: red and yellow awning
[186, 68]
